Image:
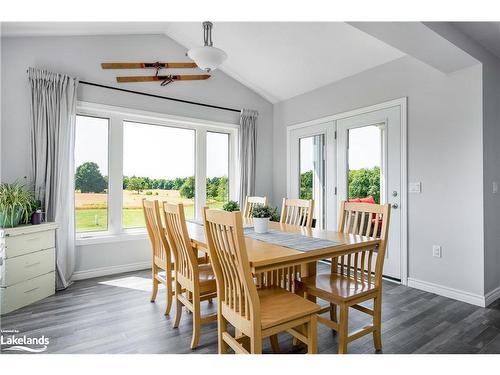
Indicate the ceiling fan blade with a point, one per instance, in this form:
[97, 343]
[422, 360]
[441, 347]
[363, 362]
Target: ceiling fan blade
[177, 77]
[164, 65]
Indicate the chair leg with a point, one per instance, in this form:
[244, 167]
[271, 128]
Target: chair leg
[154, 292]
[333, 312]
[312, 335]
[178, 306]
[221, 328]
[275, 345]
[196, 320]
[343, 328]
[377, 322]
[256, 344]
[168, 287]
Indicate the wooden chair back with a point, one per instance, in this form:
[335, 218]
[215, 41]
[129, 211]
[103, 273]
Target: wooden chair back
[297, 212]
[251, 202]
[186, 260]
[364, 219]
[154, 226]
[236, 289]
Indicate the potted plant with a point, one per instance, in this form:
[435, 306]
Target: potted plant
[261, 215]
[16, 204]
[231, 206]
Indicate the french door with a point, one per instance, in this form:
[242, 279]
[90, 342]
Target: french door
[369, 165]
[354, 155]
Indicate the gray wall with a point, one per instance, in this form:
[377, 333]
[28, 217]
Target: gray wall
[491, 147]
[444, 153]
[81, 56]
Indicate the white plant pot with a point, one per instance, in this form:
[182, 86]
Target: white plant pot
[260, 225]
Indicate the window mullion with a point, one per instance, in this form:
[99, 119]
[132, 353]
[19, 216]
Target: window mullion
[200, 171]
[115, 174]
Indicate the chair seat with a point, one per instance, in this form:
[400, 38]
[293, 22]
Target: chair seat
[207, 276]
[335, 287]
[278, 306]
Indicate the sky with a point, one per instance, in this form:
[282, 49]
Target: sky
[364, 149]
[150, 150]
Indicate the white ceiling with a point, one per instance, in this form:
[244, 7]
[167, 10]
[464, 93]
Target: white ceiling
[282, 60]
[276, 60]
[485, 33]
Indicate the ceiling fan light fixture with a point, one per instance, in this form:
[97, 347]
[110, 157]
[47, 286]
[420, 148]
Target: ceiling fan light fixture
[208, 57]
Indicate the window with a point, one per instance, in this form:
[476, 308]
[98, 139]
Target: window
[158, 163]
[151, 156]
[364, 161]
[91, 174]
[217, 169]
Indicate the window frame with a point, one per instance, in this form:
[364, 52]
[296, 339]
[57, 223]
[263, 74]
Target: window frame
[117, 116]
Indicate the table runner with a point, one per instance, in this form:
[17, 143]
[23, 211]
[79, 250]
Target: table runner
[294, 241]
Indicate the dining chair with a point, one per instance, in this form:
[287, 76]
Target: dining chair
[297, 212]
[194, 281]
[161, 253]
[354, 277]
[254, 313]
[251, 202]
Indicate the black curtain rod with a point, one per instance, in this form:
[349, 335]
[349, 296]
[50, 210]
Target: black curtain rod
[160, 96]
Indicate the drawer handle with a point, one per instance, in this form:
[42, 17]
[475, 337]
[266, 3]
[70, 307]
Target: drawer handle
[32, 265]
[32, 290]
[33, 239]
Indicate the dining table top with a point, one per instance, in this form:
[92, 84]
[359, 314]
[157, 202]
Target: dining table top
[262, 255]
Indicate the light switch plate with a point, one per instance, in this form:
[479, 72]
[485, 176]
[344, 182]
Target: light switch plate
[415, 187]
[495, 187]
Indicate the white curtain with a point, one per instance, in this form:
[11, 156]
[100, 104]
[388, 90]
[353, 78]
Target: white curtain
[247, 153]
[53, 114]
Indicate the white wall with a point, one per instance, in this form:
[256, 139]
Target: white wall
[444, 153]
[82, 56]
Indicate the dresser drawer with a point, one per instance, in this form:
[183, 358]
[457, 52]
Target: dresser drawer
[26, 292]
[24, 267]
[28, 243]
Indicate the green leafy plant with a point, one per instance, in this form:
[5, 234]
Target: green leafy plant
[364, 182]
[275, 216]
[16, 204]
[260, 211]
[231, 206]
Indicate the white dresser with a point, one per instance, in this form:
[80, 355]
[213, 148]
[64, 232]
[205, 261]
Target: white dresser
[27, 265]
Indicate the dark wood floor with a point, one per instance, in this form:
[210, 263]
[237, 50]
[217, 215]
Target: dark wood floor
[113, 315]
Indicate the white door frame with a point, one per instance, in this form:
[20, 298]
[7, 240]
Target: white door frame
[402, 104]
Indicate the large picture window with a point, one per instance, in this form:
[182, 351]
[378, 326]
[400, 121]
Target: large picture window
[158, 163]
[150, 156]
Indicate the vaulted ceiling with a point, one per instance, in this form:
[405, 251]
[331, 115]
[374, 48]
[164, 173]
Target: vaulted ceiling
[276, 60]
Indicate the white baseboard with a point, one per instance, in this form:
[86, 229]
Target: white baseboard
[111, 270]
[460, 295]
[492, 296]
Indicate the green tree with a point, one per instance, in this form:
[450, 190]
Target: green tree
[135, 184]
[88, 178]
[306, 185]
[187, 188]
[222, 189]
[365, 182]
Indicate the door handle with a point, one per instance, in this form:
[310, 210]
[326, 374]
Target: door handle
[395, 205]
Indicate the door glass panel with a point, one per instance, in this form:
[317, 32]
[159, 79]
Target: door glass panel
[365, 162]
[312, 174]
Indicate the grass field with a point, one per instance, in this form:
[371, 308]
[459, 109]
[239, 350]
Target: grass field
[92, 215]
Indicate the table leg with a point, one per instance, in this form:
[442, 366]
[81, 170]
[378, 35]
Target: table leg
[308, 270]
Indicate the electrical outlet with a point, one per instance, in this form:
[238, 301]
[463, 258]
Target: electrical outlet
[436, 251]
[495, 187]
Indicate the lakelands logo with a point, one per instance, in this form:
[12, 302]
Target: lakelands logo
[10, 340]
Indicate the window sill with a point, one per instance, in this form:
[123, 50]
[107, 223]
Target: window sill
[100, 238]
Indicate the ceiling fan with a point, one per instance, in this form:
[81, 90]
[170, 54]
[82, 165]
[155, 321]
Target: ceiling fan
[207, 58]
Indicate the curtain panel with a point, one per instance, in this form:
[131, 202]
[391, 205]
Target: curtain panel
[247, 153]
[53, 115]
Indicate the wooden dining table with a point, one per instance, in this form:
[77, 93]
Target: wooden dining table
[268, 258]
